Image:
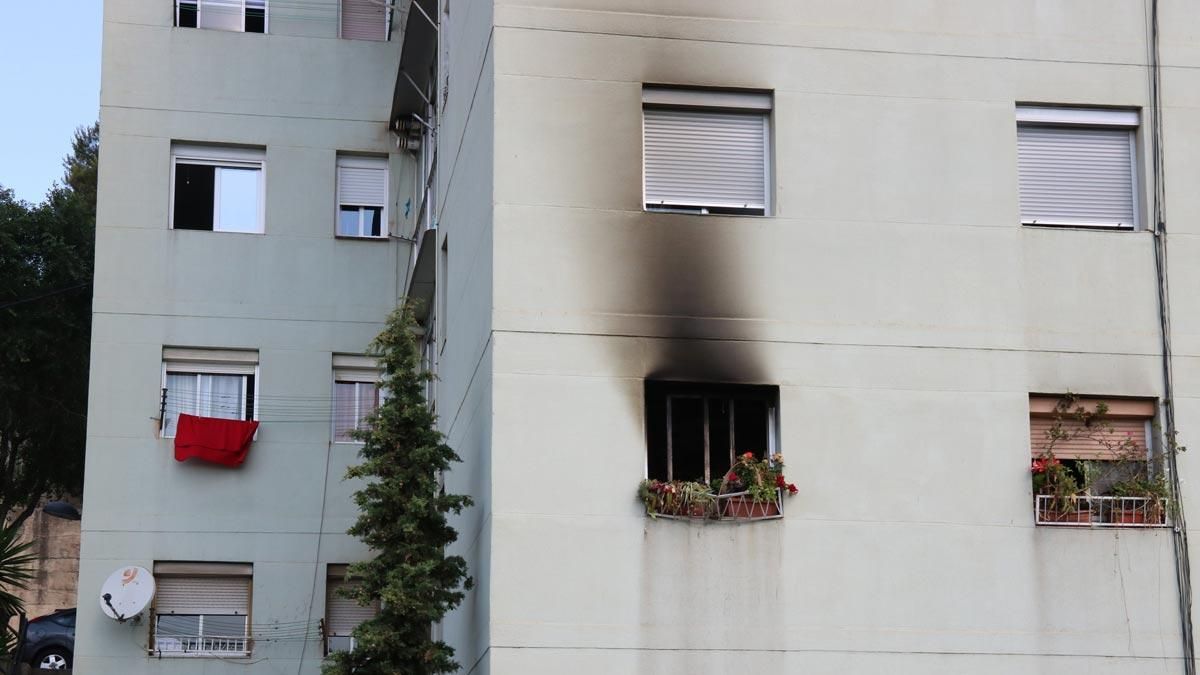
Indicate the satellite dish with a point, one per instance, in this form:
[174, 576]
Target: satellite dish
[127, 592]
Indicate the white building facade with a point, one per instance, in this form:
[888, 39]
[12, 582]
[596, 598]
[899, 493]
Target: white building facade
[878, 238]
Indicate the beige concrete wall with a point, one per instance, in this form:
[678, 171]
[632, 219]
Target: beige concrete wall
[892, 296]
[56, 571]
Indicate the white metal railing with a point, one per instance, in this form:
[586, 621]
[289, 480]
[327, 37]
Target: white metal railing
[202, 645]
[1088, 511]
[735, 506]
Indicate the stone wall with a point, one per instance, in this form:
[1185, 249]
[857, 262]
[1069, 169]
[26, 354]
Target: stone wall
[56, 572]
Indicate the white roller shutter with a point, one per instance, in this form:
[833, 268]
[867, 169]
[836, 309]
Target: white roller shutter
[202, 595]
[343, 615]
[364, 20]
[705, 158]
[1076, 175]
[362, 182]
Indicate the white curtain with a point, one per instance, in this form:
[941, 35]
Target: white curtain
[222, 396]
[181, 397]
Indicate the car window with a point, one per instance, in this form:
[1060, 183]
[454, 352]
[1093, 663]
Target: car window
[67, 620]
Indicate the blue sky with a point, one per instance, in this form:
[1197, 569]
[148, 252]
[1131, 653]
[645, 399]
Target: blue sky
[50, 65]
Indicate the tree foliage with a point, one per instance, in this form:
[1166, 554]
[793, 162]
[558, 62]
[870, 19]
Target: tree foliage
[402, 518]
[46, 253]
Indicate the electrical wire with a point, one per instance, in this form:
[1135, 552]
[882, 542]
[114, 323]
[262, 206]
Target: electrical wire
[60, 291]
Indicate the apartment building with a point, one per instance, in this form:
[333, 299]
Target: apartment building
[882, 239]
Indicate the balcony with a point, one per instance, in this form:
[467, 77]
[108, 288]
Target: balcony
[202, 645]
[1091, 511]
[730, 507]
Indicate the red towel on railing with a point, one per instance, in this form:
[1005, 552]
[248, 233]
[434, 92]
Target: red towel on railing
[213, 440]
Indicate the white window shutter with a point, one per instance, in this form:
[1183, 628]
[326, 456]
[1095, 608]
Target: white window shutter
[364, 20]
[202, 595]
[1076, 175]
[358, 186]
[705, 158]
[343, 615]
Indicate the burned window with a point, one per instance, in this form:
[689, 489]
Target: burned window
[693, 431]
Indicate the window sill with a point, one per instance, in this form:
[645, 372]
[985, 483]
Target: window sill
[351, 237]
[1097, 227]
[736, 507]
[705, 211]
[1090, 511]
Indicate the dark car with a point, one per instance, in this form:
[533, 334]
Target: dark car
[50, 641]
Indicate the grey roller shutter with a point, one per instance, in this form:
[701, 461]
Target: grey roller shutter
[1076, 175]
[705, 159]
[344, 614]
[358, 186]
[364, 20]
[202, 595]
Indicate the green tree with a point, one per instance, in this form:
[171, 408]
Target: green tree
[402, 518]
[46, 253]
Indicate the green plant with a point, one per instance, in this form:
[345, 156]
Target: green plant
[676, 497]
[15, 573]
[762, 479]
[1150, 487]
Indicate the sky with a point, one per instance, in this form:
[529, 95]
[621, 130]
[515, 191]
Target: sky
[50, 65]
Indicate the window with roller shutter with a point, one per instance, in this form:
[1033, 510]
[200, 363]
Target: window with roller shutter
[365, 20]
[706, 151]
[1077, 167]
[362, 197]
[342, 615]
[202, 609]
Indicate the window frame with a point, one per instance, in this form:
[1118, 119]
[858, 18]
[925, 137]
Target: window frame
[335, 575]
[668, 390]
[716, 101]
[265, 4]
[220, 157]
[379, 163]
[357, 370]
[203, 570]
[1033, 116]
[196, 362]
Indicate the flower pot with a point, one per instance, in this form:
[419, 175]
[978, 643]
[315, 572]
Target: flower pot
[744, 507]
[1132, 516]
[697, 510]
[1069, 515]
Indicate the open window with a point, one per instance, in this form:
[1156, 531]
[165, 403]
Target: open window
[342, 614]
[220, 383]
[201, 609]
[248, 16]
[217, 188]
[706, 151]
[1094, 461]
[362, 197]
[356, 394]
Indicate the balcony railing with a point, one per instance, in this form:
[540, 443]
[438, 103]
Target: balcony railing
[1089, 511]
[201, 645]
[735, 506]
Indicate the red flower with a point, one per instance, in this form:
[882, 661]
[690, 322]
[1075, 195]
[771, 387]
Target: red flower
[1039, 466]
[780, 481]
[748, 455]
[731, 477]
[792, 489]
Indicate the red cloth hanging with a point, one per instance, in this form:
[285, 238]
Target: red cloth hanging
[213, 440]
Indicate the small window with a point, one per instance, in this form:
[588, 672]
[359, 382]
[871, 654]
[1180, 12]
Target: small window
[342, 614]
[201, 609]
[1093, 462]
[208, 383]
[356, 394]
[365, 20]
[695, 431]
[219, 189]
[248, 16]
[1077, 167]
[362, 197]
[706, 151]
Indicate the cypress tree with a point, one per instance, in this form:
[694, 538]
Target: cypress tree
[402, 518]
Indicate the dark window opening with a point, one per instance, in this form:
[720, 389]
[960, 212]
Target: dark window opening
[694, 431]
[188, 14]
[194, 192]
[256, 19]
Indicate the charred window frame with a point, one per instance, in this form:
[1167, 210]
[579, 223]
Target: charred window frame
[694, 431]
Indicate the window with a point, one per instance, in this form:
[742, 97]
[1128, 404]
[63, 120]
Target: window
[366, 20]
[356, 394]
[1077, 166]
[694, 431]
[362, 196]
[249, 16]
[201, 609]
[342, 615]
[208, 383]
[1093, 461]
[216, 188]
[706, 151]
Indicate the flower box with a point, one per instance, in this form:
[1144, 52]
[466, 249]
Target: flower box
[742, 506]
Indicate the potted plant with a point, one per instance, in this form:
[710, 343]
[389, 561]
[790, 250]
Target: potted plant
[1053, 479]
[754, 486]
[676, 498]
[1143, 500]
